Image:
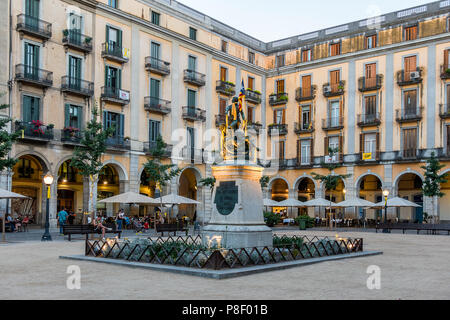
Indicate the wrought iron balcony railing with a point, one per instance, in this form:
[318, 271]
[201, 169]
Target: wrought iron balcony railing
[112, 51]
[70, 135]
[157, 105]
[370, 84]
[369, 119]
[305, 94]
[157, 66]
[32, 75]
[444, 112]
[334, 89]
[225, 87]
[192, 154]
[151, 146]
[34, 130]
[77, 86]
[254, 126]
[34, 26]
[194, 114]
[278, 98]
[409, 114]
[252, 96]
[76, 40]
[405, 78]
[303, 127]
[194, 77]
[115, 95]
[333, 123]
[280, 129]
[408, 154]
[118, 143]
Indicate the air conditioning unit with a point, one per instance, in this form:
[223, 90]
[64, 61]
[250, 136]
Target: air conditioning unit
[327, 89]
[415, 75]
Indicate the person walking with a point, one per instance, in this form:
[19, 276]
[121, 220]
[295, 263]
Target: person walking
[71, 217]
[62, 218]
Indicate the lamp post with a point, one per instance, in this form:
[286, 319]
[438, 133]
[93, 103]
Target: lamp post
[48, 180]
[386, 195]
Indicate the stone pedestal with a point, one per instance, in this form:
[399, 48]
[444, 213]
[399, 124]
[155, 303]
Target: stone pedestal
[237, 219]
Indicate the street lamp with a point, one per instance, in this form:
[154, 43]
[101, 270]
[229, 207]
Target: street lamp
[48, 180]
[386, 195]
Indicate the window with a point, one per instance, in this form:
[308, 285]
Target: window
[280, 61]
[113, 3]
[224, 46]
[116, 121]
[447, 109]
[279, 116]
[31, 59]
[155, 88]
[155, 18]
[73, 116]
[25, 169]
[334, 114]
[280, 86]
[370, 145]
[251, 115]
[75, 72]
[306, 55]
[32, 10]
[281, 150]
[446, 60]
[192, 33]
[251, 57]
[410, 143]
[113, 77]
[305, 118]
[114, 40]
[192, 63]
[192, 98]
[75, 28]
[306, 86]
[223, 74]
[335, 77]
[411, 33]
[222, 106]
[333, 143]
[30, 108]
[335, 49]
[370, 106]
[155, 130]
[251, 83]
[371, 42]
[410, 102]
[305, 152]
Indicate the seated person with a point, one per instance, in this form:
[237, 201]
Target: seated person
[138, 225]
[99, 227]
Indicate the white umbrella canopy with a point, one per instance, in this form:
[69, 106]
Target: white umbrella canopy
[5, 194]
[319, 202]
[291, 203]
[175, 199]
[397, 203]
[270, 203]
[356, 202]
[130, 197]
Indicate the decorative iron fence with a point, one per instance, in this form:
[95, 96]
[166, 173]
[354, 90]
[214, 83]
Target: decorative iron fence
[190, 251]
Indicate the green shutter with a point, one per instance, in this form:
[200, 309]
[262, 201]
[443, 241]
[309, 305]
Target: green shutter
[26, 106]
[105, 115]
[107, 34]
[119, 35]
[80, 117]
[67, 115]
[120, 79]
[121, 128]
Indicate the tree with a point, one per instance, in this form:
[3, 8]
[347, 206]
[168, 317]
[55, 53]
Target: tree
[331, 180]
[87, 158]
[432, 185]
[157, 172]
[264, 181]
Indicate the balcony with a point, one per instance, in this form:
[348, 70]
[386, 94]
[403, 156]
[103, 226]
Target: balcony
[370, 84]
[192, 155]
[409, 115]
[157, 105]
[195, 78]
[226, 88]
[115, 95]
[253, 96]
[445, 72]
[303, 127]
[194, 114]
[114, 52]
[336, 158]
[34, 27]
[220, 120]
[408, 154]
[444, 110]
[157, 66]
[280, 129]
[369, 119]
[306, 162]
[77, 86]
[254, 126]
[276, 99]
[334, 89]
[34, 131]
[151, 146]
[71, 136]
[405, 78]
[34, 76]
[333, 123]
[118, 143]
[77, 41]
[305, 94]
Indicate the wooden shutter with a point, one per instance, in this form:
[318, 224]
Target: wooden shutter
[378, 146]
[299, 151]
[341, 112]
[251, 83]
[250, 114]
[335, 49]
[222, 106]
[326, 146]
[280, 86]
[274, 116]
[371, 75]
[105, 116]
[410, 64]
[341, 148]
[306, 86]
[446, 64]
[284, 116]
[120, 78]
[335, 77]
[312, 150]
[223, 74]
[361, 143]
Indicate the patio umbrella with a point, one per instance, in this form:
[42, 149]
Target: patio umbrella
[5, 194]
[319, 202]
[396, 203]
[291, 203]
[129, 198]
[175, 199]
[356, 202]
[270, 203]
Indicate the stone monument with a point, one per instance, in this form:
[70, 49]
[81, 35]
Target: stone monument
[237, 219]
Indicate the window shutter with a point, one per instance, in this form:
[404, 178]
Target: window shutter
[312, 150]
[326, 145]
[121, 126]
[107, 34]
[67, 115]
[446, 59]
[299, 151]
[119, 35]
[341, 148]
[341, 112]
[120, 78]
[284, 116]
[361, 144]
[105, 116]
[378, 145]
[274, 116]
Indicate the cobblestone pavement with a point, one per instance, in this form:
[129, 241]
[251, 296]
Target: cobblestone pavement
[412, 267]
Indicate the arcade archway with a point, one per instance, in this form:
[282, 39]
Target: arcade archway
[409, 187]
[370, 188]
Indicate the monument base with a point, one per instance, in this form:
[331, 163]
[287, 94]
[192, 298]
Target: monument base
[237, 219]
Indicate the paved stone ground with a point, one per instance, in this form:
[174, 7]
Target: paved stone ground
[412, 267]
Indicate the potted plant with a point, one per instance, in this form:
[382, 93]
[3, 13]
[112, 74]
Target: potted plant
[50, 126]
[65, 32]
[88, 40]
[304, 222]
[447, 71]
[271, 219]
[37, 127]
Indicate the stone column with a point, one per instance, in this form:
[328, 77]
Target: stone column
[388, 185]
[351, 192]
[135, 179]
[6, 184]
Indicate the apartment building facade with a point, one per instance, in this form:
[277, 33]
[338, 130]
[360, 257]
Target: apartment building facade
[376, 90]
